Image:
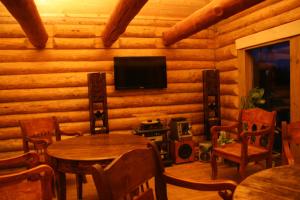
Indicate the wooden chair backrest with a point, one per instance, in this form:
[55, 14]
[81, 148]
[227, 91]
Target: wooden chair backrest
[28, 180]
[39, 128]
[291, 135]
[256, 119]
[127, 177]
[33, 184]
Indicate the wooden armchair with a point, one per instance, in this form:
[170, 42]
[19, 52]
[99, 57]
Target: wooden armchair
[40, 133]
[291, 142]
[253, 123]
[127, 178]
[33, 182]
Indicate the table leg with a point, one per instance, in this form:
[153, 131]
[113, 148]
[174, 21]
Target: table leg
[79, 181]
[61, 185]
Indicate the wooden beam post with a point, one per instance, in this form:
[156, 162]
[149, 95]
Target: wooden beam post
[210, 14]
[26, 13]
[120, 18]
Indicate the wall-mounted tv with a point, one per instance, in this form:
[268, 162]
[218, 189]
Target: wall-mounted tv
[140, 72]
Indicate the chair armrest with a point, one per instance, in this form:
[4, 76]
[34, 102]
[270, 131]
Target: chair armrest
[287, 152]
[216, 129]
[29, 159]
[76, 133]
[208, 185]
[27, 174]
[39, 142]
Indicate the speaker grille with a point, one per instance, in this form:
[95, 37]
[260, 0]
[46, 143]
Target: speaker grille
[185, 151]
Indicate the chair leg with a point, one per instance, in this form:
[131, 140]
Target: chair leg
[84, 179]
[269, 162]
[242, 170]
[79, 180]
[53, 188]
[214, 166]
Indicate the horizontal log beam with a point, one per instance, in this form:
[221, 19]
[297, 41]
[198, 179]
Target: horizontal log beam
[113, 102]
[40, 94]
[13, 43]
[115, 126]
[210, 14]
[79, 116]
[123, 13]
[103, 54]
[11, 31]
[22, 68]
[87, 19]
[27, 15]
[227, 65]
[230, 114]
[226, 53]
[61, 80]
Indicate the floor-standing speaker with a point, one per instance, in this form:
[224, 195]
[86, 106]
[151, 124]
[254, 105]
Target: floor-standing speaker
[211, 100]
[182, 151]
[98, 103]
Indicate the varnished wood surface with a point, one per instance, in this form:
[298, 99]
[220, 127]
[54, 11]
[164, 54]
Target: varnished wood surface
[275, 183]
[193, 170]
[76, 155]
[95, 147]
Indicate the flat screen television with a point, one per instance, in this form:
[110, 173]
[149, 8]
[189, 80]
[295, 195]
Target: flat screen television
[142, 72]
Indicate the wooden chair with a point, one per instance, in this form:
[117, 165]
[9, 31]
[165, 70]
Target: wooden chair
[40, 132]
[253, 123]
[291, 142]
[128, 177]
[33, 182]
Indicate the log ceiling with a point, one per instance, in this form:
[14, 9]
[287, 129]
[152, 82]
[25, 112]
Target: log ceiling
[204, 14]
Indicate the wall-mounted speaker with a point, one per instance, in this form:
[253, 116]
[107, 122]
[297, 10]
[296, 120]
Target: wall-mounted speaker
[182, 151]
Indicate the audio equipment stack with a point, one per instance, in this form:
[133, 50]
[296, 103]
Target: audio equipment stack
[155, 131]
[182, 145]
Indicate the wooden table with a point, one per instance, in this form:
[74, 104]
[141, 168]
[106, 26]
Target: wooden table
[276, 183]
[76, 155]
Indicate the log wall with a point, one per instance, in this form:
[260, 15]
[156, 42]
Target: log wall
[37, 83]
[53, 81]
[268, 14]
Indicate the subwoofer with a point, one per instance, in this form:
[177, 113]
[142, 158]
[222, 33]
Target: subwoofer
[182, 151]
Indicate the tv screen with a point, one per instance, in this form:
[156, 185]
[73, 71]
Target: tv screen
[140, 72]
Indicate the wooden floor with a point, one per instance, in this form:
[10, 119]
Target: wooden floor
[194, 170]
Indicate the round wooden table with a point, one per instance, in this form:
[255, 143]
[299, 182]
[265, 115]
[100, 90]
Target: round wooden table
[76, 155]
[276, 183]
